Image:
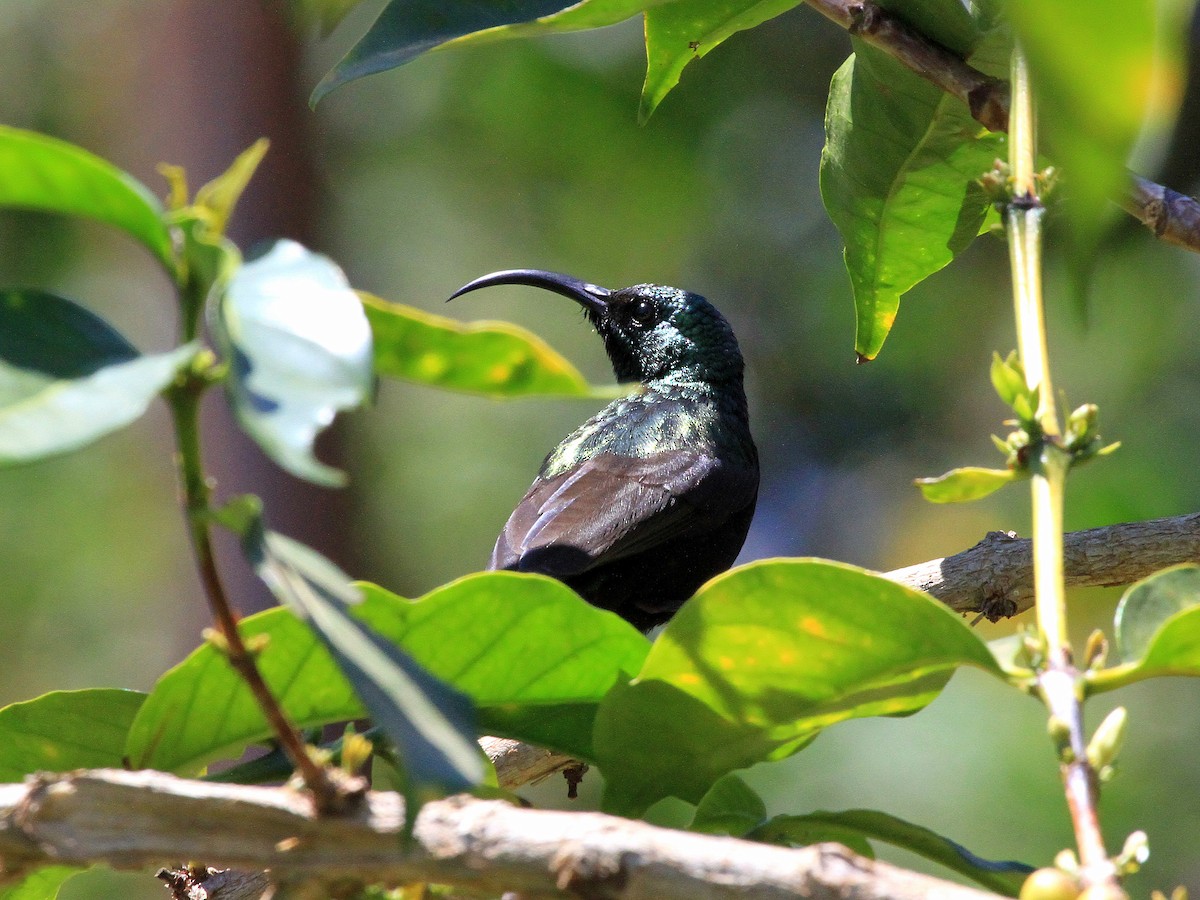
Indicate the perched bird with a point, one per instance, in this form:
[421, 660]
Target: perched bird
[653, 495]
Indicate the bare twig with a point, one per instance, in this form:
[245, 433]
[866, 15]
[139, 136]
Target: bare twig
[1172, 216]
[478, 844]
[329, 795]
[995, 577]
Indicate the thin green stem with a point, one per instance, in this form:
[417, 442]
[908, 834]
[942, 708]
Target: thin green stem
[1059, 682]
[1024, 223]
[184, 401]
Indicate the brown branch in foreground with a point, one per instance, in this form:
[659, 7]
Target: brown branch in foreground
[995, 577]
[477, 844]
[68, 819]
[1173, 217]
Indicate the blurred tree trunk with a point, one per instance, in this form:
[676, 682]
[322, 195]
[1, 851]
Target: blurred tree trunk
[214, 78]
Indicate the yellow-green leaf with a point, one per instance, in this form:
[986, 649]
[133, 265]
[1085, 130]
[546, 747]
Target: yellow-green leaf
[496, 359]
[967, 483]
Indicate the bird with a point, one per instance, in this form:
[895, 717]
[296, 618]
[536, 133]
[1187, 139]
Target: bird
[653, 495]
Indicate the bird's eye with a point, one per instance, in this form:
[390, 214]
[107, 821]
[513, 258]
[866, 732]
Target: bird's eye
[642, 310]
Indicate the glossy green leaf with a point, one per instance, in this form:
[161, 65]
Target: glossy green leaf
[1122, 71]
[1157, 630]
[42, 883]
[853, 827]
[763, 658]
[43, 173]
[899, 178]
[543, 679]
[67, 378]
[431, 725]
[407, 28]
[683, 30]
[1147, 605]
[533, 656]
[967, 483]
[496, 359]
[301, 352]
[66, 730]
[730, 807]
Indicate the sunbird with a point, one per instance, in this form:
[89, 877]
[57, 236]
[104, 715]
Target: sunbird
[653, 495]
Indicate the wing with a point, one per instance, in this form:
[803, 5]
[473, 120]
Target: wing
[615, 506]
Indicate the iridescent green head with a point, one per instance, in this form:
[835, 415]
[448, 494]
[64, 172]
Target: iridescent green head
[651, 332]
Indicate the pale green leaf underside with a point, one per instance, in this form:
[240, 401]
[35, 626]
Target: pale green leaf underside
[301, 351]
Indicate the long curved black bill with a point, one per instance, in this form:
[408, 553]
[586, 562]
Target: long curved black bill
[590, 296]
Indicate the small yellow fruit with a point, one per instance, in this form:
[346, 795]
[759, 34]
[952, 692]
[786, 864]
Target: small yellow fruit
[1049, 884]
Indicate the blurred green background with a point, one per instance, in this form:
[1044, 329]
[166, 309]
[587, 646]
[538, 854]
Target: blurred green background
[529, 154]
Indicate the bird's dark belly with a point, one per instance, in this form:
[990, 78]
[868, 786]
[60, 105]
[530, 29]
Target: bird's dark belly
[647, 588]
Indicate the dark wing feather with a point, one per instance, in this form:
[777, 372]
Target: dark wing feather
[615, 506]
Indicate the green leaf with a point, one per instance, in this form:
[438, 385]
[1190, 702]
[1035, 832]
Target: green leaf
[42, 883]
[967, 483]
[219, 197]
[803, 831]
[683, 30]
[763, 658]
[854, 826]
[730, 807]
[1157, 629]
[67, 378]
[42, 173]
[581, 16]
[899, 178]
[407, 28]
[66, 730]
[534, 657]
[301, 351]
[1147, 605]
[1008, 378]
[1118, 79]
[430, 723]
[496, 359]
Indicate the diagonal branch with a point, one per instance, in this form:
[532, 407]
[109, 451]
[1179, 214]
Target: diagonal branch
[995, 577]
[1172, 216]
[473, 844]
[985, 96]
